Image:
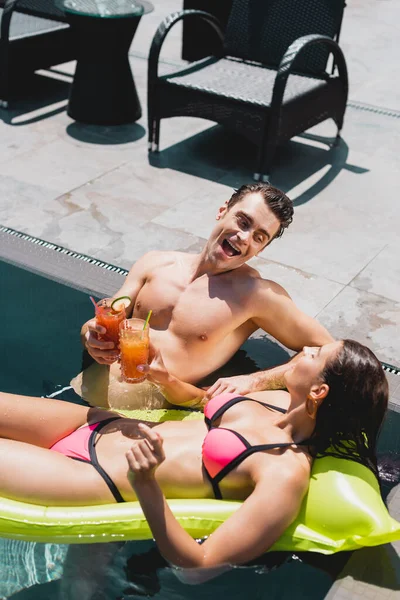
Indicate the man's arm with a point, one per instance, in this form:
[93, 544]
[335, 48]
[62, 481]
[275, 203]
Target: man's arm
[277, 314]
[102, 351]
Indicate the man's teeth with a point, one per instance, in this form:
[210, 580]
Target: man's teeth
[232, 246]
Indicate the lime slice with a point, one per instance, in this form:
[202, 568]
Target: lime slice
[120, 303]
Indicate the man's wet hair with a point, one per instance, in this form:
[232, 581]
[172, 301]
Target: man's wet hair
[275, 199]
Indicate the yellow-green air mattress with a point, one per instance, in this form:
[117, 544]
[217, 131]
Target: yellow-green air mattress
[343, 510]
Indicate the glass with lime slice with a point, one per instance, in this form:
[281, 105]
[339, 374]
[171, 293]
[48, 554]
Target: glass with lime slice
[111, 313]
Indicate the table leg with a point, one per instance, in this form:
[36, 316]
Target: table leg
[103, 91]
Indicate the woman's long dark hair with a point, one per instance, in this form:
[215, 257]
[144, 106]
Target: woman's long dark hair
[349, 419]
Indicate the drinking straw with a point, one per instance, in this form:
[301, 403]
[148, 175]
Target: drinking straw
[97, 308]
[147, 320]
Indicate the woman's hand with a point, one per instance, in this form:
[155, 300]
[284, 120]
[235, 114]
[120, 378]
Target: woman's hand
[156, 371]
[175, 391]
[146, 455]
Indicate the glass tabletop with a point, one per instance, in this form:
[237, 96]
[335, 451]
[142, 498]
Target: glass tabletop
[105, 8]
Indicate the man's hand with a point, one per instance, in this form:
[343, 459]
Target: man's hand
[239, 384]
[103, 352]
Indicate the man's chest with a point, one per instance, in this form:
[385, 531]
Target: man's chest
[197, 309]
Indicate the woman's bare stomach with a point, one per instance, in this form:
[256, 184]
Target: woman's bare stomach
[181, 474]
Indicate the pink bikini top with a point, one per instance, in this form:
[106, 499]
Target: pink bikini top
[224, 449]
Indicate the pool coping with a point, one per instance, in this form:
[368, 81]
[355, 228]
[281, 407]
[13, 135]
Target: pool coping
[80, 271]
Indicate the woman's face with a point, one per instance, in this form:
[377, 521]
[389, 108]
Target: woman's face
[306, 370]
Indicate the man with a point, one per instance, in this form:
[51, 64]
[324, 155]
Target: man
[206, 305]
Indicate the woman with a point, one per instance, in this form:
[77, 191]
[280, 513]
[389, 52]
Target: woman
[258, 449]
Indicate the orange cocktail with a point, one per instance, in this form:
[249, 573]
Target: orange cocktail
[110, 318]
[134, 348]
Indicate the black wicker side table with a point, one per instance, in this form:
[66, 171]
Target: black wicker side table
[103, 91]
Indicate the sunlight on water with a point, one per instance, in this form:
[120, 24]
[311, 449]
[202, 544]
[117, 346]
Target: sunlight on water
[25, 564]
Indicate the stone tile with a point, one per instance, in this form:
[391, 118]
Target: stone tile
[337, 233]
[17, 140]
[130, 195]
[25, 207]
[197, 213]
[309, 292]
[395, 396]
[63, 165]
[394, 383]
[126, 249]
[372, 133]
[382, 275]
[336, 249]
[368, 51]
[370, 319]
[124, 139]
[81, 231]
[115, 212]
[154, 187]
[120, 201]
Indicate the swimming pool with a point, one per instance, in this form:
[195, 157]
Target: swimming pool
[40, 353]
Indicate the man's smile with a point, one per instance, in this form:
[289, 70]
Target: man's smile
[230, 249]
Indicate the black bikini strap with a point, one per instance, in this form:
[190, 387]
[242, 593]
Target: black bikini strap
[214, 484]
[218, 413]
[93, 457]
[266, 405]
[247, 452]
[222, 409]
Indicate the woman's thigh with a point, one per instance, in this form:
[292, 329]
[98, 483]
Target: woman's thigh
[41, 476]
[42, 421]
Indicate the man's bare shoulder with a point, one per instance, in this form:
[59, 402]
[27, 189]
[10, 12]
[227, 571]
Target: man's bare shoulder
[160, 258]
[265, 286]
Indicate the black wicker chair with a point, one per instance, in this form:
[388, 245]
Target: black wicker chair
[34, 35]
[270, 80]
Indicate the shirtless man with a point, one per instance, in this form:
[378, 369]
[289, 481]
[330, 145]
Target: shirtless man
[206, 305]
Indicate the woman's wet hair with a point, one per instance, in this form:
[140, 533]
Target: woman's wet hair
[349, 419]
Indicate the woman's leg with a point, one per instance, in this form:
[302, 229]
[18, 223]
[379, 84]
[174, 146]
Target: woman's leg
[41, 476]
[41, 421]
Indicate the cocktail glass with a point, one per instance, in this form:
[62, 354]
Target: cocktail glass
[134, 349]
[110, 319]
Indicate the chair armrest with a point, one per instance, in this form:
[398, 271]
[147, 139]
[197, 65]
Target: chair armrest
[289, 60]
[164, 29]
[9, 6]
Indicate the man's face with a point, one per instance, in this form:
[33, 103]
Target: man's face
[241, 232]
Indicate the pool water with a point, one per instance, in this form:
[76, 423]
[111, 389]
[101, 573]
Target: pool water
[40, 353]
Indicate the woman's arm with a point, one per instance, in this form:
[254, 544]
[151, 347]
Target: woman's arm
[252, 530]
[176, 391]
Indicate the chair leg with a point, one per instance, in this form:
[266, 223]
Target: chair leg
[264, 177]
[149, 133]
[154, 134]
[339, 124]
[264, 162]
[5, 80]
[156, 140]
[337, 139]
